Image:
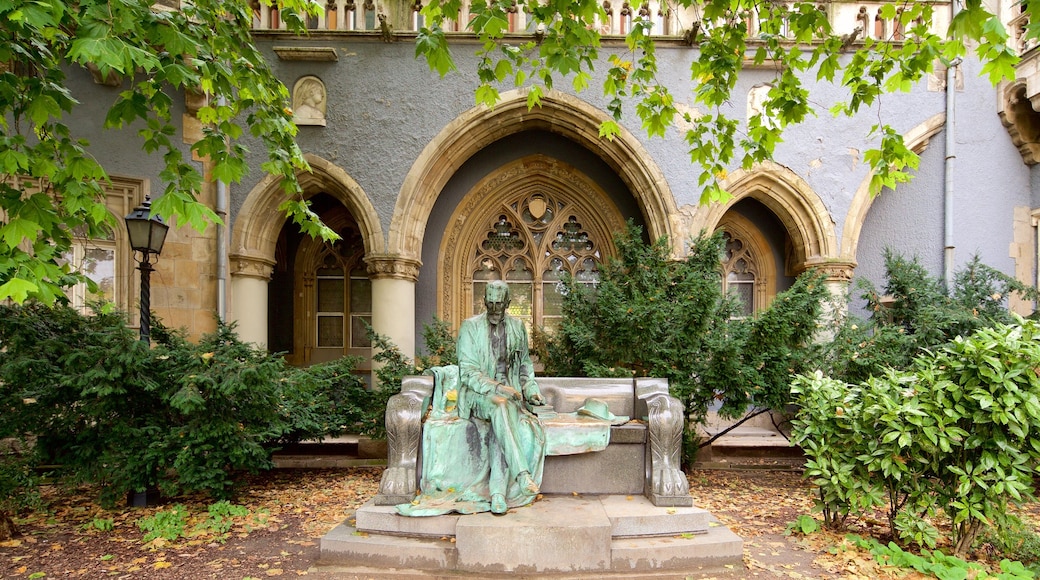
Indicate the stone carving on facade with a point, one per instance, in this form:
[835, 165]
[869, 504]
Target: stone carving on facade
[309, 101]
[251, 267]
[1021, 121]
[397, 267]
[840, 272]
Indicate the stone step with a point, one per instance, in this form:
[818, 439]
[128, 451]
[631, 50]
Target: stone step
[593, 535]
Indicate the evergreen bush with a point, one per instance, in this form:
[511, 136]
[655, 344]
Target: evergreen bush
[650, 315]
[101, 407]
[914, 312]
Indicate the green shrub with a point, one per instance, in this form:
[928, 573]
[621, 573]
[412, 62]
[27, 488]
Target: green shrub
[650, 315]
[91, 390]
[220, 409]
[955, 434]
[166, 524]
[325, 400]
[913, 313]
[18, 481]
[1017, 539]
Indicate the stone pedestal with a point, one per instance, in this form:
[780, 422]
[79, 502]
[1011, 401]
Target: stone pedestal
[594, 536]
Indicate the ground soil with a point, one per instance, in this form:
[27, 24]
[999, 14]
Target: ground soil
[289, 511]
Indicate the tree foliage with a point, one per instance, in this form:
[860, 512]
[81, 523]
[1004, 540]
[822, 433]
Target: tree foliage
[51, 184]
[794, 39]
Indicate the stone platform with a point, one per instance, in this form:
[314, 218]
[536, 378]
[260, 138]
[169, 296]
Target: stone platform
[593, 536]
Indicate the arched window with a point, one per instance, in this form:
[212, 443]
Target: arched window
[739, 272]
[749, 269]
[533, 245]
[531, 223]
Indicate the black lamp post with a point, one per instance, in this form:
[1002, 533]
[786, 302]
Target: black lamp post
[147, 234]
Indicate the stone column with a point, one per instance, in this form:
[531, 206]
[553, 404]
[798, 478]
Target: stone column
[393, 299]
[250, 276]
[839, 275]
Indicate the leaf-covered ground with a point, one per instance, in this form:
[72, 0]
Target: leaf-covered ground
[279, 518]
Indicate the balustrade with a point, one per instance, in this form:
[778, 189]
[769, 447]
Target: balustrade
[858, 20]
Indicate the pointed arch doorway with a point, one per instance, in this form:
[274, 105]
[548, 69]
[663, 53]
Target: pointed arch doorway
[320, 292]
[530, 222]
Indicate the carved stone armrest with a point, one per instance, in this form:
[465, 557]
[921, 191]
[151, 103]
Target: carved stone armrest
[404, 413]
[666, 484]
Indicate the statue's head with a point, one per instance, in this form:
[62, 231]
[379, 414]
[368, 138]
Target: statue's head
[496, 300]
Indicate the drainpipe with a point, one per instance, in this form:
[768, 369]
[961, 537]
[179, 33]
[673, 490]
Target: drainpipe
[951, 133]
[222, 255]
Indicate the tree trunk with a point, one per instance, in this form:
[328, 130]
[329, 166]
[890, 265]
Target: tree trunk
[7, 529]
[968, 531]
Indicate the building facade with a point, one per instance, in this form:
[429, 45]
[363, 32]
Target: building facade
[433, 196]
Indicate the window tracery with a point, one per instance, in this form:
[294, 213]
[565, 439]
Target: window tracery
[536, 242]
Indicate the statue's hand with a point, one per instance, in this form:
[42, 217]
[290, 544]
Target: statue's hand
[509, 392]
[536, 399]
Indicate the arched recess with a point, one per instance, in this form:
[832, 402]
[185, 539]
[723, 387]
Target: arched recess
[795, 204]
[326, 292]
[559, 113]
[748, 255]
[259, 221]
[917, 141]
[535, 214]
[254, 239]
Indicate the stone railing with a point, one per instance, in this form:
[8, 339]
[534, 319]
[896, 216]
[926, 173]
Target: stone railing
[402, 16]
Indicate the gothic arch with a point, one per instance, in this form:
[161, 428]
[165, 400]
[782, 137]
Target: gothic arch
[760, 254]
[917, 141]
[259, 221]
[794, 203]
[570, 195]
[480, 126]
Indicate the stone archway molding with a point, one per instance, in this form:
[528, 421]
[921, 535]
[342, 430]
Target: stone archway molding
[255, 235]
[791, 199]
[481, 126]
[259, 221]
[916, 140]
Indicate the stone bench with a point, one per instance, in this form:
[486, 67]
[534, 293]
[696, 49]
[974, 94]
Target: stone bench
[642, 457]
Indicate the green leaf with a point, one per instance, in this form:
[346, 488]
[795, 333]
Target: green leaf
[17, 289]
[18, 230]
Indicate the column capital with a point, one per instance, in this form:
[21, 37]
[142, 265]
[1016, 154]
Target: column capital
[836, 270]
[251, 266]
[393, 266]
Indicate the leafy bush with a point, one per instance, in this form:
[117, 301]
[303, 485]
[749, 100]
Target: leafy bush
[326, 400]
[394, 366]
[220, 408]
[17, 489]
[954, 434]
[1017, 539]
[938, 564]
[85, 386]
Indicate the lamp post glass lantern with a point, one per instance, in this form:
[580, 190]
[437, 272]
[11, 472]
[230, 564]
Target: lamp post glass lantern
[147, 233]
